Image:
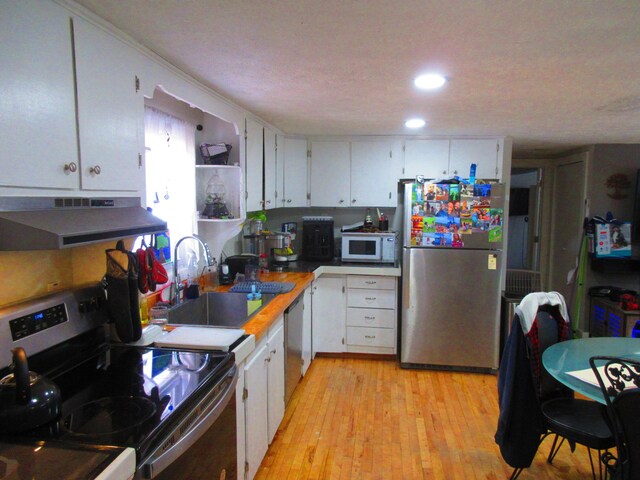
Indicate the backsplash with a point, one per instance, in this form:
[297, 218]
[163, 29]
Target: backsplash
[30, 274]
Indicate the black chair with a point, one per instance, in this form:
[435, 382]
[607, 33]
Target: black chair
[619, 380]
[559, 413]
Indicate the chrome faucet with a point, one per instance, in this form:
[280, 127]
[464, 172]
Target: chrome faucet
[210, 261]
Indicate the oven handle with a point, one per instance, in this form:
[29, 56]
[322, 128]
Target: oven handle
[157, 465]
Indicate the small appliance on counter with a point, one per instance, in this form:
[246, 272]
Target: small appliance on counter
[371, 247]
[238, 263]
[317, 238]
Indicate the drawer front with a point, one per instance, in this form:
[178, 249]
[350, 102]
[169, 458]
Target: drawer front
[373, 282]
[371, 317]
[373, 337]
[366, 298]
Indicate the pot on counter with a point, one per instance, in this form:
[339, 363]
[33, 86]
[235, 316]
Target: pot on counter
[27, 400]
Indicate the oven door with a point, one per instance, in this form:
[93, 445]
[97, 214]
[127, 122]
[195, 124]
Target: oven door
[361, 248]
[204, 445]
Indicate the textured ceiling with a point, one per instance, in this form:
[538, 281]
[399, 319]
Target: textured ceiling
[551, 74]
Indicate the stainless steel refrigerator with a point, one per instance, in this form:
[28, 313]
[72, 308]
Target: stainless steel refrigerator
[451, 276]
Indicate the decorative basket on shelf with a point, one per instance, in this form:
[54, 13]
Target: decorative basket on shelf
[215, 153]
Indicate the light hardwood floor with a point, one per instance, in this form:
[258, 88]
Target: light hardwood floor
[369, 419]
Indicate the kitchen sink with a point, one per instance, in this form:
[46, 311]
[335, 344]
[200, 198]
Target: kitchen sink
[215, 309]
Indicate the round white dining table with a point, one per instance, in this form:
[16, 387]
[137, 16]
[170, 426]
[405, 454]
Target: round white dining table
[574, 355]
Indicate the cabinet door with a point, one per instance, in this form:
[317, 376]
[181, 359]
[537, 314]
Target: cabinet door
[270, 169]
[253, 165]
[280, 155]
[426, 157]
[295, 172]
[240, 420]
[37, 106]
[330, 171]
[110, 110]
[482, 152]
[374, 175]
[255, 408]
[275, 344]
[329, 314]
[306, 331]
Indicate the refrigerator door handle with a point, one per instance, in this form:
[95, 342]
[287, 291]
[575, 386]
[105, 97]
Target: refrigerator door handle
[406, 272]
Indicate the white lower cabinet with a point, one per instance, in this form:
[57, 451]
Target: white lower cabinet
[355, 313]
[306, 330]
[255, 410]
[275, 344]
[329, 304]
[262, 406]
[371, 314]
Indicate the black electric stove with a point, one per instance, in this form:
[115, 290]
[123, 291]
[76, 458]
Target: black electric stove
[113, 394]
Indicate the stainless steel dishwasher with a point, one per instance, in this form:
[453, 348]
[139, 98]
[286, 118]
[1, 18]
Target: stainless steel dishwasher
[293, 350]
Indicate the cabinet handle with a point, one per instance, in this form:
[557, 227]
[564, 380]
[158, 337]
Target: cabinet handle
[455, 172]
[370, 337]
[370, 282]
[70, 167]
[353, 201]
[95, 170]
[341, 201]
[444, 172]
[273, 351]
[267, 360]
[268, 202]
[369, 319]
[370, 299]
[289, 200]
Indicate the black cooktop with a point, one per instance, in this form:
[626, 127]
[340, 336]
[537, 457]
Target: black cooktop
[125, 396]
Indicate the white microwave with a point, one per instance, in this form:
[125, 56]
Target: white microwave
[369, 247]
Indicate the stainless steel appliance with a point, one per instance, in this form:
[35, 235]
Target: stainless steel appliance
[293, 349]
[318, 241]
[451, 276]
[374, 247]
[176, 408]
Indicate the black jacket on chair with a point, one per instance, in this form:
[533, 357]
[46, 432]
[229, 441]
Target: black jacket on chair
[520, 423]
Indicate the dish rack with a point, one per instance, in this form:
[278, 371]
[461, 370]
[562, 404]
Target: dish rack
[262, 287]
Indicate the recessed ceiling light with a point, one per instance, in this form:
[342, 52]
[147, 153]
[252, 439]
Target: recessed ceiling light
[429, 81]
[415, 123]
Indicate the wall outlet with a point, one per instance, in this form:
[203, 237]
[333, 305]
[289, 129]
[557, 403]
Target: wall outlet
[51, 286]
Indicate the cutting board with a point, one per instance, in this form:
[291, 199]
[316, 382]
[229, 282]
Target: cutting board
[204, 338]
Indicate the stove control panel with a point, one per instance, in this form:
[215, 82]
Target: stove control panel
[38, 321]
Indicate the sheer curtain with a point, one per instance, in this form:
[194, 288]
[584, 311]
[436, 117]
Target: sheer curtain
[170, 171]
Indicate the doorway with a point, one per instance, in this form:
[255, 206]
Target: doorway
[523, 251]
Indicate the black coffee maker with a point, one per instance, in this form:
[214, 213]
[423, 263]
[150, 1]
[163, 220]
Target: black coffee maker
[317, 238]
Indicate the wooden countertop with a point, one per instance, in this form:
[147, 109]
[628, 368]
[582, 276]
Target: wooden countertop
[261, 321]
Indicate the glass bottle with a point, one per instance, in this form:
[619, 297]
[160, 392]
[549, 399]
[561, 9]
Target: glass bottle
[368, 221]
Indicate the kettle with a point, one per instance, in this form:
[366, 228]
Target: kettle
[27, 400]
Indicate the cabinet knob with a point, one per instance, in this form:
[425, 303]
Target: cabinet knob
[444, 172]
[268, 202]
[341, 201]
[353, 201]
[273, 351]
[70, 167]
[288, 200]
[267, 360]
[95, 170]
[455, 172]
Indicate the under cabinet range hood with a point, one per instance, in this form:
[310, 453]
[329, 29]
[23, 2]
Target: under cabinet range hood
[51, 223]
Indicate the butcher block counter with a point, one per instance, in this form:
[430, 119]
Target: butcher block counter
[261, 321]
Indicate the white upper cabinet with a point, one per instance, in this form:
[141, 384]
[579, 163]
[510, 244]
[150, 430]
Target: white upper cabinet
[294, 172]
[375, 169]
[330, 166]
[110, 110]
[482, 152]
[429, 158]
[438, 158]
[270, 170]
[37, 106]
[280, 148]
[253, 165]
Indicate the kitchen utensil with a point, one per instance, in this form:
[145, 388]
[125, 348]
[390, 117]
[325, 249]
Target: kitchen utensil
[201, 337]
[27, 400]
